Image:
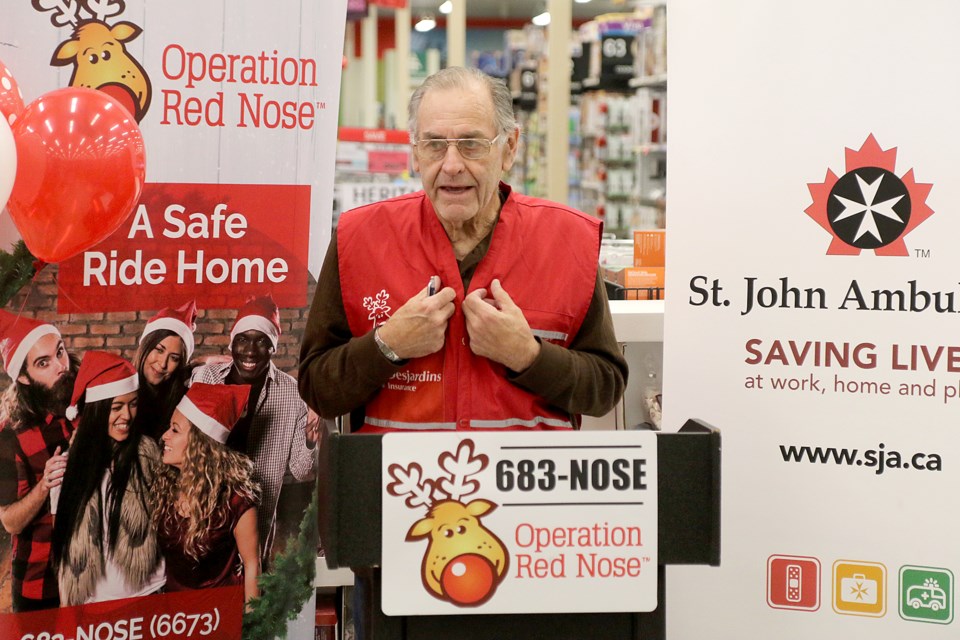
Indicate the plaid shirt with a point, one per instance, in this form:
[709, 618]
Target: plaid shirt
[276, 442]
[23, 454]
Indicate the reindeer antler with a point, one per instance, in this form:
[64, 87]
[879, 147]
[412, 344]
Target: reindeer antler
[64, 11]
[460, 467]
[409, 482]
[103, 9]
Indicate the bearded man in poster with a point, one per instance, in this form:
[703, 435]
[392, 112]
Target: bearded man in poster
[34, 434]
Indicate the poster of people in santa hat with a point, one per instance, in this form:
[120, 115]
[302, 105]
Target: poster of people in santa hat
[166, 186]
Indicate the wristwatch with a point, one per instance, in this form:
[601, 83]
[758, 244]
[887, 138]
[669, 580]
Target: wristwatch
[384, 349]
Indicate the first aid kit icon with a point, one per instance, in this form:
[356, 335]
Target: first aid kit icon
[859, 588]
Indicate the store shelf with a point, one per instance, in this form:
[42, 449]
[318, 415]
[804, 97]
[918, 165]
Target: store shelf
[637, 320]
[327, 577]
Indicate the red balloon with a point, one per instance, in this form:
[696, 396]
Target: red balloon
[11, 100]
[80, 171]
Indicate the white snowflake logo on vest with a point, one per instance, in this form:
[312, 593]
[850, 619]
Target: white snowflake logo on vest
[378, 307]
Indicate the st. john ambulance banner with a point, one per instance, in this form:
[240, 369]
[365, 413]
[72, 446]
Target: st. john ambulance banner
[237, 104]
[519, 523]
[814, 218]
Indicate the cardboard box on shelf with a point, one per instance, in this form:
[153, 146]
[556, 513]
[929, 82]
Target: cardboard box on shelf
[637, 283]
[648, 248]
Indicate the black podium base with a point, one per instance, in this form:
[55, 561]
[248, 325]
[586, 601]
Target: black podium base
[349, 484]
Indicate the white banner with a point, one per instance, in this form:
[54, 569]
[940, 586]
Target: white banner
[519, 522]
[812, 228]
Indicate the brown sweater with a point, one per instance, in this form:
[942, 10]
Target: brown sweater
[340, 372]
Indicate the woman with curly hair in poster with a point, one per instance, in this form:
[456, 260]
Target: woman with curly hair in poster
[104, 541]
[166, 346]
[206, 500]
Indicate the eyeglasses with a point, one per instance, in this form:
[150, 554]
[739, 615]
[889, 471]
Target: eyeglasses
[469, 148]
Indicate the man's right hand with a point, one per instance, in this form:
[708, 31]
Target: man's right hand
[53, 470]
[417, 328]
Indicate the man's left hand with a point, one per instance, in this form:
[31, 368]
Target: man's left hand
[498, 330]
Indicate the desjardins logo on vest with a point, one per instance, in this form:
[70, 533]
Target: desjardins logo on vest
[402, 380]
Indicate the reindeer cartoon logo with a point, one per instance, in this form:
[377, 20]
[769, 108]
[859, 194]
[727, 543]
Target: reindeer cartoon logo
[97, 52]
[378, 307]
[464, 562]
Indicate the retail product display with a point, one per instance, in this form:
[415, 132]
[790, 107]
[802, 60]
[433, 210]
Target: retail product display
[618, 123]
[372, 165]
[525, 53]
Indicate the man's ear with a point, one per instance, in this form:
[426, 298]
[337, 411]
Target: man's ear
[510, 149]
[23, 379]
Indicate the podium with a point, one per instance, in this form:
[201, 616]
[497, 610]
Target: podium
[350, 506]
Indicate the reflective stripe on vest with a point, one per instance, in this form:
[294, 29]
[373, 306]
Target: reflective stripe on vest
[474, 424]
[516, 422]
[410, 426]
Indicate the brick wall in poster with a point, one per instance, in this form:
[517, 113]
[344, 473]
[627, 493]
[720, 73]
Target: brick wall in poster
[119, 332]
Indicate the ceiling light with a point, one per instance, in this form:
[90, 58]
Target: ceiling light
[447, 7]
[581, 1]
[427, 23]
[541, 20]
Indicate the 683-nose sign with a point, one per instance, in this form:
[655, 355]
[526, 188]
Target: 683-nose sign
[574, 474]
[519, 522]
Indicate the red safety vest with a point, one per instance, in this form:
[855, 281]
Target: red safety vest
[545, 256]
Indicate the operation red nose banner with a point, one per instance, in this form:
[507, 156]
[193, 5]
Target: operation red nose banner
[208, 614]
[519, 522]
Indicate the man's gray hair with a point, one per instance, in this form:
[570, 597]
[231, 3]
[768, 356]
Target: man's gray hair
[461, 78]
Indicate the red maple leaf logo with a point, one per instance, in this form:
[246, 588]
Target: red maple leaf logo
[869, 207]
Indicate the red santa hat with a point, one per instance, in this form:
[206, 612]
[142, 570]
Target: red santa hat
[17, 336]
[214, 408]
[101, 376]
[260, 313]
[182, 321]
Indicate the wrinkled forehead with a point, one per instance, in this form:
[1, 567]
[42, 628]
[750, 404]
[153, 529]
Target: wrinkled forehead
[462, 112]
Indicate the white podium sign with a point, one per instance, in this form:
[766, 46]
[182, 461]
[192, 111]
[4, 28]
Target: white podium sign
[519, 522]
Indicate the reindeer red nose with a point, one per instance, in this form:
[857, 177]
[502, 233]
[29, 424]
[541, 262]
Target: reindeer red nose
[468, 579]
[122, 94]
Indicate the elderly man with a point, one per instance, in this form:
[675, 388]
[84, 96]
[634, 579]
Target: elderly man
[465, 305]
[33, 436]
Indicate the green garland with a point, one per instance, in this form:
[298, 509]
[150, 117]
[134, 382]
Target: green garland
[285, 589]
[16, 269]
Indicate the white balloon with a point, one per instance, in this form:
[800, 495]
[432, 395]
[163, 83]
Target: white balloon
[8, 162]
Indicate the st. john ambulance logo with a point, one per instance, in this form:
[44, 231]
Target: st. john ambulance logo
[869, 207]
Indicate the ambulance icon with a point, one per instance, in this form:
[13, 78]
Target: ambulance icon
[927, 596]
